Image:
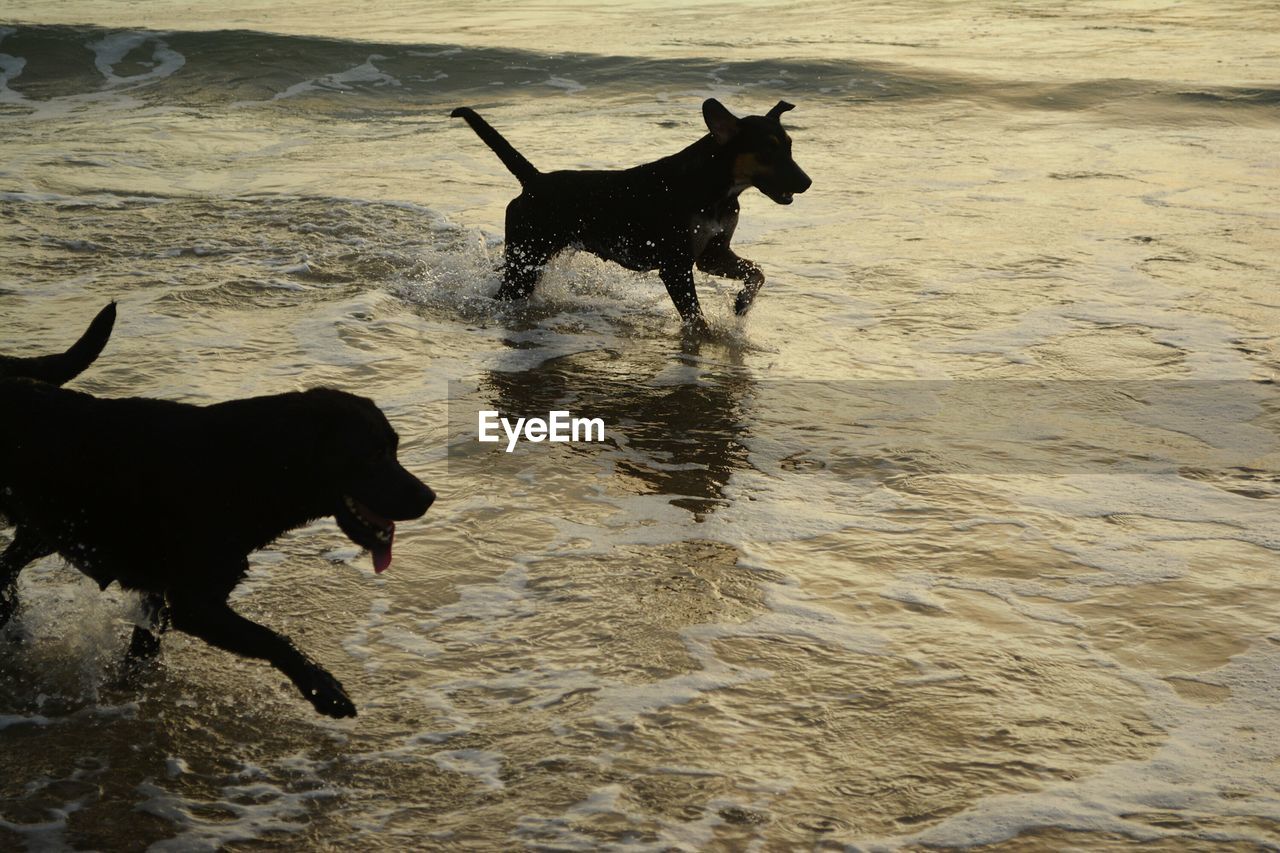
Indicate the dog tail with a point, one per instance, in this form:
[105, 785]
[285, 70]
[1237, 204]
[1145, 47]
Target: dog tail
[63, 367]
[510, 157]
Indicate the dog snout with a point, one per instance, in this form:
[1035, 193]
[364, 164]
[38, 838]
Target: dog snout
[414, 497]
[391, 491]
[801, 181]
[427, 498]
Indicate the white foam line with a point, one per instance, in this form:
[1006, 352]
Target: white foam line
[48, 835]
[109, 50]
[570, 87]
[340, 81]
[789, 613]
[1211, 765]
[10, 67]
[480, 764]
[479, 606]
[358, 644]
[7, 720]
[259, 806]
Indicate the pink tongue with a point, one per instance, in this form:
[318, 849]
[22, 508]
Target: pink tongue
[382, 555]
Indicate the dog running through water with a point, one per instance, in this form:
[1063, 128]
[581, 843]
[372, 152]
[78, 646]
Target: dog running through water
[670, 215]
[169, 499]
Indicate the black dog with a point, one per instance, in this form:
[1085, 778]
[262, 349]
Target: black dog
[170, 498]
[667, 215]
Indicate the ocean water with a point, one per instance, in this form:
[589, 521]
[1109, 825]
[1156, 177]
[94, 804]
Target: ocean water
[967, 536]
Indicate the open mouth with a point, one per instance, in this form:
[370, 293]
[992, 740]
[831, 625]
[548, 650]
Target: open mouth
[367, 529]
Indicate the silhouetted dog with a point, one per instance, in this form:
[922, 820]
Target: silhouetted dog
[667, 215]
[170, 498]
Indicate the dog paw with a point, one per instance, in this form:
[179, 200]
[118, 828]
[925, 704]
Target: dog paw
[696, 328]
[326, 695]
[747, 295]
[143, 646]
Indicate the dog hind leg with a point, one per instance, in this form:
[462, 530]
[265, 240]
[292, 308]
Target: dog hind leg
[679, 282]
[521, 269]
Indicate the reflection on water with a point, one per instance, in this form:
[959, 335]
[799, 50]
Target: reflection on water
[680, 437]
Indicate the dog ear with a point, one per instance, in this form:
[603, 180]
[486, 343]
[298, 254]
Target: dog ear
[778, 109]
[722, 123]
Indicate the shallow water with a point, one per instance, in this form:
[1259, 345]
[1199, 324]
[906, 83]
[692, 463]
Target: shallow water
[967, 536]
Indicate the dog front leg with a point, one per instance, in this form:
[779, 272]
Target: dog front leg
[217, 624]
[719, 259]
[23, 550]
[145, 643]
[679, 282]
